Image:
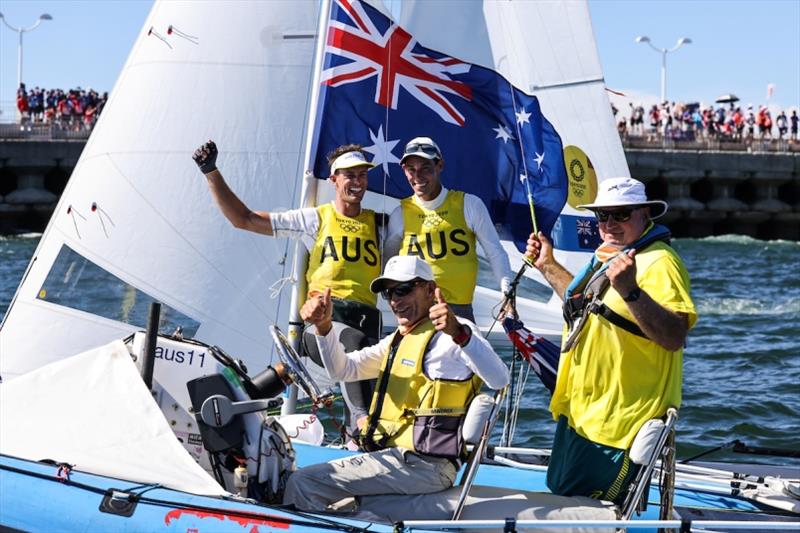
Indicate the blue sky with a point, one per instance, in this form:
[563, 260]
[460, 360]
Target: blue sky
[739, 46]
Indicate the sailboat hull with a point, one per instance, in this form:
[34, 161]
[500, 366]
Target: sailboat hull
[35, 497]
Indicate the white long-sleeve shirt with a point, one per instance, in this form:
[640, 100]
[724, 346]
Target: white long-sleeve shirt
[444, 359]
[478, 221]
[296, 224]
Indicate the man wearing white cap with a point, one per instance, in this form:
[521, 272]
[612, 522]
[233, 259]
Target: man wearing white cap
[344, 252]
[441, 226]
[628, 314]
[428, 371]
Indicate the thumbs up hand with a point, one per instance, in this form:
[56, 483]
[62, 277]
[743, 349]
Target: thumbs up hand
[318, 310]
[442, 316]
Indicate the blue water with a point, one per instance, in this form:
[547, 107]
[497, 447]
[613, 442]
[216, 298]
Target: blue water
[741, 365]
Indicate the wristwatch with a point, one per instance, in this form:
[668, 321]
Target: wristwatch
[633, 295]
[463, 336]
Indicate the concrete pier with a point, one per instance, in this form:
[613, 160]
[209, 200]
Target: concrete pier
[32, 175]
[711, 192]
[720, 192]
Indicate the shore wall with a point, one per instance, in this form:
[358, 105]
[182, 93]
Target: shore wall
[709, 192]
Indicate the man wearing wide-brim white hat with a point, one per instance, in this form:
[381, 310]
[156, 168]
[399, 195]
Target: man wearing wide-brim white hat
[628, 313]
[343, 245]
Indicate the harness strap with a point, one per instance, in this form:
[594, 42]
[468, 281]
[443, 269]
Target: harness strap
[615, 318]
[585, 293]
[368, 442]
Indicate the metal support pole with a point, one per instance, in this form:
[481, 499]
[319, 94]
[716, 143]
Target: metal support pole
[19, 62]
[150, 340]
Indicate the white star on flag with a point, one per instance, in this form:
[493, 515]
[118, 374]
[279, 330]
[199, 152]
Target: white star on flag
[523, 117]
[539, 159]
[381, 150]
[502, 133]
[523, 177]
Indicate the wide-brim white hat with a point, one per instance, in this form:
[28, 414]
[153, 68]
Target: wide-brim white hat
[402, 268]
[625, 192]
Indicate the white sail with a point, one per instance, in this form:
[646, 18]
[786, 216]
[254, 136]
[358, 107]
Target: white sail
[62, 412]
[238, 73]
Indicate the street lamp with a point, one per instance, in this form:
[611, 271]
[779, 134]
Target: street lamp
[20, 31]
[663, 52]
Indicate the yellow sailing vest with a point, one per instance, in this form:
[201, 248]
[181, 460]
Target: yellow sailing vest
[415, 412]
[444, 240]
[346, 256]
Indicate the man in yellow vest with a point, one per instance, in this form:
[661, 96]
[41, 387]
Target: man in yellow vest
[428, 371]
[622, 353]
[344, 252]
[442, 226]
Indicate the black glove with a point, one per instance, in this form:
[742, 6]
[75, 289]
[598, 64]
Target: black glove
[206, 157]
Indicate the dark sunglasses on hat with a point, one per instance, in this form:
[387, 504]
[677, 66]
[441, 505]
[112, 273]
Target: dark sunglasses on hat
[426, 148]
[401, 289]
[618, 216]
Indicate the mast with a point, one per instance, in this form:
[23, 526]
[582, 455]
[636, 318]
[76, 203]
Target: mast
[308, 198]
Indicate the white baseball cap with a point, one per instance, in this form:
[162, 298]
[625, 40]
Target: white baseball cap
[421, 147]
[624, 192]
[402, 268]
[350, 160]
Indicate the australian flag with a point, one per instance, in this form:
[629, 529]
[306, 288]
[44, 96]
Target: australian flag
[381, 88]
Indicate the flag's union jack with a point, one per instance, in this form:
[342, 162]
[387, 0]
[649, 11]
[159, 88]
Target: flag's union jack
[584, 227]
[389, 57]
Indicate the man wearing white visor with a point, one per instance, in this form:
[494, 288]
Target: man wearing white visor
[628, 314]
[344, 251]
[442, 226]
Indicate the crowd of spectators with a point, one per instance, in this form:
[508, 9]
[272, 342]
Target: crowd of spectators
[728, 122]
[77, 109]
[74, 110]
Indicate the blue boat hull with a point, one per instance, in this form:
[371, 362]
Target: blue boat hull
[34, 498]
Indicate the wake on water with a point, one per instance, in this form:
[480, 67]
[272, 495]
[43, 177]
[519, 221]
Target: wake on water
[748, 306]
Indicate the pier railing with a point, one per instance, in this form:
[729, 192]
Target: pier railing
[712, 144]
[34, 131]
[38, 131]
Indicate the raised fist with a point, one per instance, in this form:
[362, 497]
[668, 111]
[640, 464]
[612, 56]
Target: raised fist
[206, 157]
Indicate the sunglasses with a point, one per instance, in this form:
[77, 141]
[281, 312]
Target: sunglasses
[400, 290]
[422, 147]
[618, 216]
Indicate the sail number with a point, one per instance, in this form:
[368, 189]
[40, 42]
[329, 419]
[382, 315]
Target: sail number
[181, 357]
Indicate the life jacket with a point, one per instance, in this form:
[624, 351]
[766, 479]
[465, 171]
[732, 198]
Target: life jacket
[443, 239]
[585, 293]
[410, 410]
[345, 256]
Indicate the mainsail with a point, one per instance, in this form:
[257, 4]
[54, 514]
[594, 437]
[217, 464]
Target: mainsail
[136, 222]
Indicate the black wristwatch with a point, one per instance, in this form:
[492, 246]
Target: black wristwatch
[633, 295]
